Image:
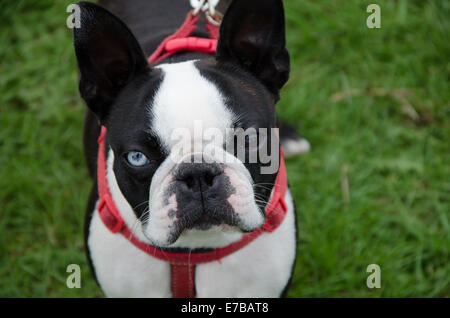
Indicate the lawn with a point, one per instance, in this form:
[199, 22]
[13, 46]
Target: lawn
[375, 188]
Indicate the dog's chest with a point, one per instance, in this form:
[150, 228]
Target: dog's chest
[261, 268]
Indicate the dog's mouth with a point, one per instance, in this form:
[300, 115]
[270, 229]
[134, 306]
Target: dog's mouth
[204, 219]
[205, 222]
[208, 221]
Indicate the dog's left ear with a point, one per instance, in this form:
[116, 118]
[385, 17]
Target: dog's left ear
[252, 34]
[108, 56]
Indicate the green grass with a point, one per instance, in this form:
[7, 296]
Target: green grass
[374, 103]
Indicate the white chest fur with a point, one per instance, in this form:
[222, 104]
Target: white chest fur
[260, 269]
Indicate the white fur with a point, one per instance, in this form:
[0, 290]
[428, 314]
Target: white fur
[183, 98]
[122, 269]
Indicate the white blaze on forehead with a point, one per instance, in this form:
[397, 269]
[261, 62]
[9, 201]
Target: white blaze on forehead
[184, 99]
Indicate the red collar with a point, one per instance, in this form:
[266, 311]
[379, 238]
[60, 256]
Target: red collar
[183, 264]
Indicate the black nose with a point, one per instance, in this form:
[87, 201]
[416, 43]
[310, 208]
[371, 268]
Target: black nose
[199, 177]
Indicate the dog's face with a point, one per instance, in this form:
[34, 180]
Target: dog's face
[182, 136]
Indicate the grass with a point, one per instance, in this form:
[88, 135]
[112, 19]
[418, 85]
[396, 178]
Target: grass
[374, 103]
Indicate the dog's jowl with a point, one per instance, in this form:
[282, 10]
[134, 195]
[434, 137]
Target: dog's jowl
[174, 212]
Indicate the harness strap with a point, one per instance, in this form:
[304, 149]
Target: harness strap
[183, 280]
[183, 264]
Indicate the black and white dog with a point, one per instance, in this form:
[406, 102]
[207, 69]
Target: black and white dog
[166, 202]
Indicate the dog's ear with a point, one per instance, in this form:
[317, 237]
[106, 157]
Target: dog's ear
[253, 35]
[108, 57]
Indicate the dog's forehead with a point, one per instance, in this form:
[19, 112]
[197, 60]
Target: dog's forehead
[186, 100]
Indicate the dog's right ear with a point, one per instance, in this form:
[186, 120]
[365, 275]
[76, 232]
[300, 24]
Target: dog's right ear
[108, 56]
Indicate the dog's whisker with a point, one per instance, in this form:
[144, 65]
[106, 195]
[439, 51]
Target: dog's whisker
[267, 184]
[140, 220]
[146, 201]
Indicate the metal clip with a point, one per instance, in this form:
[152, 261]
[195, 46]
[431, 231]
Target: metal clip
[204, 5]
[214, 19]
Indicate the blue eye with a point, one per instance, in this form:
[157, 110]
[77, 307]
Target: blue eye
[137, 159]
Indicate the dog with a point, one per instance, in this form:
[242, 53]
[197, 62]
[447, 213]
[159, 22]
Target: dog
[170, 204]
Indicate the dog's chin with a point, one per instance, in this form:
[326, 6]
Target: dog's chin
[201, 232]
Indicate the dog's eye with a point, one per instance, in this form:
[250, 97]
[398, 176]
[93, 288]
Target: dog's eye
[251, 141]
[137, 159]
[254, 141]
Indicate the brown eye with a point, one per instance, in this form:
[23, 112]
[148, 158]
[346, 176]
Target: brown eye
[251, 141]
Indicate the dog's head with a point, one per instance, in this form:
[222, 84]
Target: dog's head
[189, 141]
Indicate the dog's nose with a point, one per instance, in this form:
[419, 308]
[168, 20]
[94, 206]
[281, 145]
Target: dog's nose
[202, 190]
[199, 177]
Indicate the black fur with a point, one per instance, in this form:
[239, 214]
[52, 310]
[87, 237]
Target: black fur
[253, 36]
[108, 56]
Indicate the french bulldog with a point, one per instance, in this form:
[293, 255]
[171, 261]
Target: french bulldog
[165, 197]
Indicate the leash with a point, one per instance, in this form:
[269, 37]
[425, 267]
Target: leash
[183, 264]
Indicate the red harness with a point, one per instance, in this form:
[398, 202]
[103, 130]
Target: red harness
[183, 264]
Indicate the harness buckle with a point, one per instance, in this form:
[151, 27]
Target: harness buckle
[109, 214]
[275, 213]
